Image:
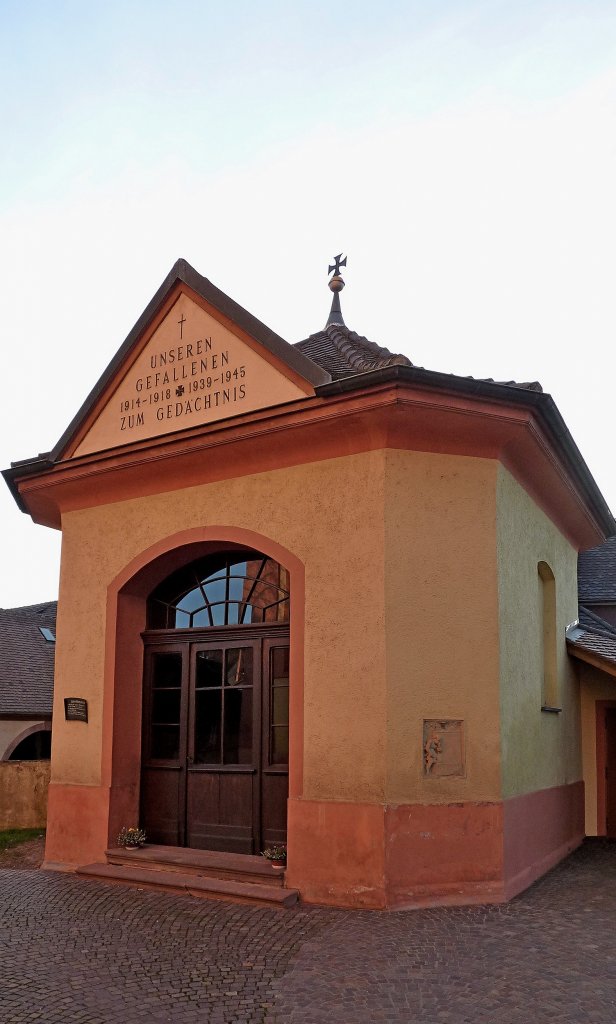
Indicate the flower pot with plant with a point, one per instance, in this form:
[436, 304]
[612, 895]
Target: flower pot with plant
[131, 837]
[276, 855]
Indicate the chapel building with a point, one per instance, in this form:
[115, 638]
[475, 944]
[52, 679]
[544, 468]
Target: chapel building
[314, 595]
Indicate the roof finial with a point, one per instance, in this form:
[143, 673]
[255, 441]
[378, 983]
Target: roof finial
[336, 285]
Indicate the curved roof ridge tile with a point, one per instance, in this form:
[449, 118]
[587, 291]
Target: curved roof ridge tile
[362, 354]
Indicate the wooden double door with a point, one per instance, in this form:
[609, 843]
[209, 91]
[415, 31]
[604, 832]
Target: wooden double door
[215, 750]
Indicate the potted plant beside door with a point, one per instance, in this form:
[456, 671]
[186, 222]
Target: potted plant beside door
[131, 837]
[276, 854]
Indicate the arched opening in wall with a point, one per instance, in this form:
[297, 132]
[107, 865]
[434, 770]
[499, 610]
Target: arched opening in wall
[547, 618]
[34, 747]
[215, 743]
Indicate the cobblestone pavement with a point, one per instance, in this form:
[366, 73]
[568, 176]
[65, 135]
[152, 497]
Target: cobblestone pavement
[77, 951]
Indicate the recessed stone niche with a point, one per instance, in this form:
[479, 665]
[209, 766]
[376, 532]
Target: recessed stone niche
[443, 748]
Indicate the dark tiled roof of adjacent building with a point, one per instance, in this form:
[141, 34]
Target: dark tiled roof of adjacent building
[597, 574]
[595, 623]
[593, 635]
[27, 659]
[599, 644]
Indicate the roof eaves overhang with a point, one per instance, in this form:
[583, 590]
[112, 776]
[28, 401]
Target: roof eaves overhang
[591, 658]
[24, 468]
[539, 402]
[26, 714]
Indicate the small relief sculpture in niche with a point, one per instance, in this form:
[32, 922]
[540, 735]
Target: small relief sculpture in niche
[443, 748]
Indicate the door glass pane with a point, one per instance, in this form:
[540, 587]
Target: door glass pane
[165, 742]
[167, 669]
[239, 666]
[280, 744]
[208, 708]
[208, 669]
[238, 725]
[280, 665]
[166, 676]
[279, 706]
[166, 706]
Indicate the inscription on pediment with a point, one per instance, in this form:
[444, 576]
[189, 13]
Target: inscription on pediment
[193, 370]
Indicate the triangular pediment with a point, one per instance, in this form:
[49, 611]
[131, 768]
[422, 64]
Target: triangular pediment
[194, 357]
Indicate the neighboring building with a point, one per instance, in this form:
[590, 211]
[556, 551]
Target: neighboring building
[314, 591]
[27, 650]
[592, 642]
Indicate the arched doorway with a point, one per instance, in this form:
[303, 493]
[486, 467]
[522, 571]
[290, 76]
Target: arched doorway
[215, 746]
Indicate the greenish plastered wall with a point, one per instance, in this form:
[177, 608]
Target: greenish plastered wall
[538, 749]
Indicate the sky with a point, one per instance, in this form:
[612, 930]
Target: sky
[462, 154]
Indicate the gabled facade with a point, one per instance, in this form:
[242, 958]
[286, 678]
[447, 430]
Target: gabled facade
[318, 595]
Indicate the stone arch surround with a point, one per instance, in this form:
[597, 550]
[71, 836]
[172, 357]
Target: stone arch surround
[126, 617]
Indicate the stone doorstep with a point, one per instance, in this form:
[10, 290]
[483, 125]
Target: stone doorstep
[196, 885]
[211, 863]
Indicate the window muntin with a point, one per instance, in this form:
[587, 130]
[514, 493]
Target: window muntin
[223, 724]
[166, 704]
[279, 706]
[222, 590]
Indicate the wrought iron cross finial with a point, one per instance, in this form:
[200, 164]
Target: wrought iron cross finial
[338, 262]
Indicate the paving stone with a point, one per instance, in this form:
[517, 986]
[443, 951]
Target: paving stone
[78, 952]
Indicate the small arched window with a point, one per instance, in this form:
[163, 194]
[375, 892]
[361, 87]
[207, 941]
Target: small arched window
[228, 589]
[547, 618]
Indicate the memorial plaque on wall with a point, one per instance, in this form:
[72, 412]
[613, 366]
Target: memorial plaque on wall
[75, 709]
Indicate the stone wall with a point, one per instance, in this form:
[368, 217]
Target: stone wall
[23, 794]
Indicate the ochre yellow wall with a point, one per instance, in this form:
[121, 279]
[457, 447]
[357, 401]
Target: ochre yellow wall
[539, 750]
[595, 685]
[330, 516]
[442, 622]
[421, 593]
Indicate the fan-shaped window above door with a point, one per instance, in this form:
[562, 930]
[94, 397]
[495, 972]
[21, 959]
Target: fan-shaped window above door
[228, 589]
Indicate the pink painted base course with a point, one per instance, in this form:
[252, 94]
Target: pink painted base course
[374, 856]
[352, 855]
[540, 829]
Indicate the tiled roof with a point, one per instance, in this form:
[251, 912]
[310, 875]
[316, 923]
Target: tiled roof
[344, 353]
[593, 635]
[593, 622]
[26, 659]
[595, 643]
[529, 385]
[597, 573]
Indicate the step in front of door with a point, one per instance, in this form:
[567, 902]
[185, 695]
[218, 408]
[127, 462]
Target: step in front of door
[207, 887]
[213, 863]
